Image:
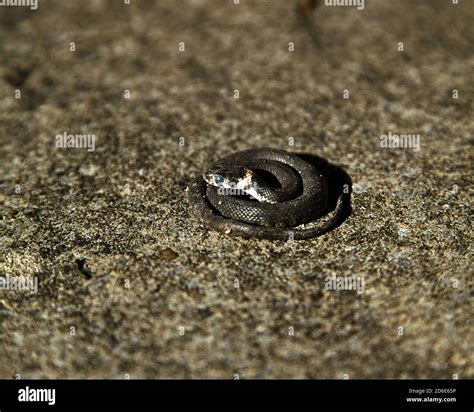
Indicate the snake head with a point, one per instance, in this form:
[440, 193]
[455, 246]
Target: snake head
[229, 177]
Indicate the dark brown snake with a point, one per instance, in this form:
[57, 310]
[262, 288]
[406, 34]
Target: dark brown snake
[296, 196]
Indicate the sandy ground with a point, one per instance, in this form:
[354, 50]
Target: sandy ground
[131, 285]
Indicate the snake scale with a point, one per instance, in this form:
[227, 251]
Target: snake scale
[264, 193]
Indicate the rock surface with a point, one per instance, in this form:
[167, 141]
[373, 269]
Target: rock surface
[129, 283]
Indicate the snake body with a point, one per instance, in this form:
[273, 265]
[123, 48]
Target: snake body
[296, 195]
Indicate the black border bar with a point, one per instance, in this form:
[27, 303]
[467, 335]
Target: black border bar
[241, 394]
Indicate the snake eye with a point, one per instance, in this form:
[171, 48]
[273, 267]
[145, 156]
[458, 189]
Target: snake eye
[219, 179]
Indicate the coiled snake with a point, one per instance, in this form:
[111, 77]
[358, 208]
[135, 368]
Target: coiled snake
[264, 193]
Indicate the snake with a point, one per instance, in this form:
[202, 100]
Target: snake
[264, 193]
